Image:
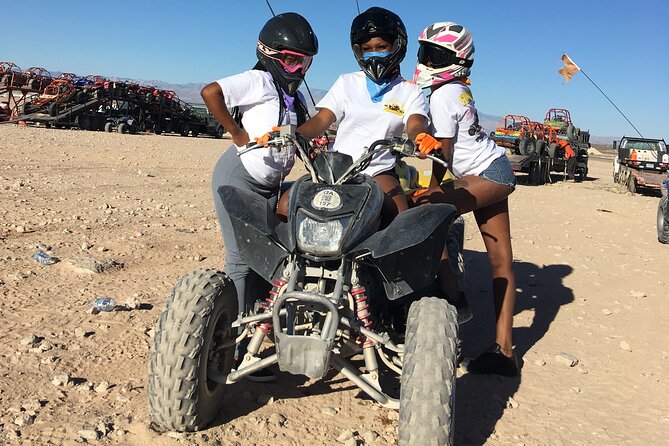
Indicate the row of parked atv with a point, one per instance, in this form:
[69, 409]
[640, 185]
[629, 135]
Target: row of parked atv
[95, 103]
[526, 137]
[540, 147]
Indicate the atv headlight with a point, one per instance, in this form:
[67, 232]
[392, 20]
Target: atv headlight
[320, 237]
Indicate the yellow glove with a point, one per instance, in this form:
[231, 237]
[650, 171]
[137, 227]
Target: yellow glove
[427, 143]
[267, 136]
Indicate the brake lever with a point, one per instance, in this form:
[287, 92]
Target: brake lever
[252, 146]
[435, 159]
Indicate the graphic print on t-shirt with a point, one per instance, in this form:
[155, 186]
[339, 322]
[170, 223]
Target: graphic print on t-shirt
[466, 98]
[394, 106]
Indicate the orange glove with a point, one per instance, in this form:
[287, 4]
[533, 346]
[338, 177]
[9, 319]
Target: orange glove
[427, 143]
[267, 136]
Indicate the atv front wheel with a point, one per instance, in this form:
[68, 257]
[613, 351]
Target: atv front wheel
[427, 391]
[194, 334]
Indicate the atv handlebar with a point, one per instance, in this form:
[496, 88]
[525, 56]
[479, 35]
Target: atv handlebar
[287, 135]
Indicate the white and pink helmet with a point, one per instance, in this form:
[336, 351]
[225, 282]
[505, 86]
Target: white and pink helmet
[446, 52]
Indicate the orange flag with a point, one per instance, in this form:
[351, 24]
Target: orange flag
[569, 69]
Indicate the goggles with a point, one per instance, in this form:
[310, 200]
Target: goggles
[438, 57]
[291, 61]
[368, 25]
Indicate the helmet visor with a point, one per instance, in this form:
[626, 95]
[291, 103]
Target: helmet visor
[371, 24]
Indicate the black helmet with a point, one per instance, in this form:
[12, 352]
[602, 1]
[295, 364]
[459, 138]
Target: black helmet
[379, 22]
[286, 45]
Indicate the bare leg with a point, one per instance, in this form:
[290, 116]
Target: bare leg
[487, 199]
[394, 200]
[493, 222]
[282, 207]
[466, 194]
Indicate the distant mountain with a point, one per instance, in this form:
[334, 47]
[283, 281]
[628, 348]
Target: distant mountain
[191, 93]
[604, 140]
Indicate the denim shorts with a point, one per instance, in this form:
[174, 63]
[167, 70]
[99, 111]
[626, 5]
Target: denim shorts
[500, 172]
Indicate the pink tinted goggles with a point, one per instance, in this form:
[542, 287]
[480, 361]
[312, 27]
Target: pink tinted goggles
[293, 62]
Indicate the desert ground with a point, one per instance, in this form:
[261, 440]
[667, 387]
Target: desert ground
[591, 321]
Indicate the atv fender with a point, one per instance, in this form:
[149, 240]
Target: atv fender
[255, 226]
[408, 251]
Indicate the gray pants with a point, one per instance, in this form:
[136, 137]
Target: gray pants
[229, 170]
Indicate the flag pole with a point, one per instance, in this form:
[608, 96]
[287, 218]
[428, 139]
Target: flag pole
[609, 99]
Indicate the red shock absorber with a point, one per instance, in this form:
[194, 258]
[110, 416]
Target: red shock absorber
[360, 296]
[266, 327]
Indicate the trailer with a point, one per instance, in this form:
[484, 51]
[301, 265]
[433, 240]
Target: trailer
[94, 103]
[525, 149]
[537, 167]
[640, 163]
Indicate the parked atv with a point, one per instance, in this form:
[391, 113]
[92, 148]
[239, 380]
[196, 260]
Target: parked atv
[335, 277]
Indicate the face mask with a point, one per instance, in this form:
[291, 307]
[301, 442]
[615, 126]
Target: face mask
[378, 89]
[288, 99]
[374, 54]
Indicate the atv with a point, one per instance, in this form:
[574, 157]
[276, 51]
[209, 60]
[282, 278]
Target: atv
[337, 280]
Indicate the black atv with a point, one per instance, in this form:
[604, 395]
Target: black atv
[336, 278]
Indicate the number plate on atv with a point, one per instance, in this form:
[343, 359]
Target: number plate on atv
[327, 199]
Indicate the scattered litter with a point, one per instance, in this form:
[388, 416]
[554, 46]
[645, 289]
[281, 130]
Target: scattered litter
[566, 359]
[44, 259]
[103, 304]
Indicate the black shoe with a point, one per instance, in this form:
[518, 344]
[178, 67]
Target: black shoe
[494, 362]
[464, 311]
[262, 376]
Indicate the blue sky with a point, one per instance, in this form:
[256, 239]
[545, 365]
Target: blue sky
[622, 45]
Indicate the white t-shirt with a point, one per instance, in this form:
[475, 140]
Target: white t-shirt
[453, 112]
[256, 96]
[362, 121]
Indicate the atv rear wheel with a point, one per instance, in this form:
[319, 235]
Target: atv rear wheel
[662, 221]
[552, 150]
[52, 109]
[527, 146]
[427, 392]
[536, 173]
[190, 336]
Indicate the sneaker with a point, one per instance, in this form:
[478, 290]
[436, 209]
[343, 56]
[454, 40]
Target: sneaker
[494, 362]
[262, 376]
[462, 306]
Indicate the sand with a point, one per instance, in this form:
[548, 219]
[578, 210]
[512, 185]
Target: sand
[592, 292]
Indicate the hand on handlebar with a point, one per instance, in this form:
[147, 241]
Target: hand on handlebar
[239, 136]
[427, 144]
[267, 136]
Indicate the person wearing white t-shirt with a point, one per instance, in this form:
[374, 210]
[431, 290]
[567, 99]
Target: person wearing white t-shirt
[266, 97]
[484, 178]
[375, 103]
